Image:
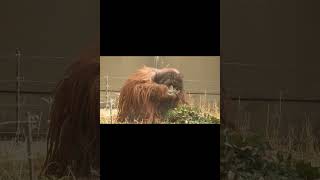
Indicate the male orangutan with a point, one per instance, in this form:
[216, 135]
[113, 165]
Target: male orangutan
[73, 143]
[149, 93]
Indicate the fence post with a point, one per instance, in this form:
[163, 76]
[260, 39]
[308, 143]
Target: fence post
[239, 112]
[49, 101]
[18, 59]
[156, 59]
[107, 89]
[110, 105]
[29, 141]
[107, 96]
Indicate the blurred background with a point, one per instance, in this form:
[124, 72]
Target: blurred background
[49, 36]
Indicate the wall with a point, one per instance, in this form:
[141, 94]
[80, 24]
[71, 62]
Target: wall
[42, 30]
[270, 47]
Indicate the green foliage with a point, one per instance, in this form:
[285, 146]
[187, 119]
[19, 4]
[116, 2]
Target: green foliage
[185, 114]
[305, 169]
[252, 158]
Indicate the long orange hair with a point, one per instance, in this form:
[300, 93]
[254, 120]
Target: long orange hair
[73, 141]
[141, 98]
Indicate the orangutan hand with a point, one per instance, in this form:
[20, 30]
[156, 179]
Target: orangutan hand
[172, 92]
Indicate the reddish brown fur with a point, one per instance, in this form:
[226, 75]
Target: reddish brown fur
[74, 133]
[142, 99]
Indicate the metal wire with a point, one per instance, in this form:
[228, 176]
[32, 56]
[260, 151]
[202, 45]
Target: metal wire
[29, 81]
[187, 92]
[267, 66]
[125, 78]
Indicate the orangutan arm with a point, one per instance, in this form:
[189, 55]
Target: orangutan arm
[161, 92]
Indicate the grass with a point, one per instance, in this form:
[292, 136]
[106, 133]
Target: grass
[246, 154]
[254, 157]
[14, 164]
[199, 111]
[180, 115]
[106, 118]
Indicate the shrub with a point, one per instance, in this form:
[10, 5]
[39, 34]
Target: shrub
[185, 114]
[252, 158]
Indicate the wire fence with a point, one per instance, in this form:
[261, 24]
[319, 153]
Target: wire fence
[24, 126]
[213, 86]
[276, 94]
[110, 89]
[265, 65]
[18, 86]
[109, 97]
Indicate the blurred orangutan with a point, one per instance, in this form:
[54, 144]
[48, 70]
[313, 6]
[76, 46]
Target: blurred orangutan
[73, 143]
[149, 93]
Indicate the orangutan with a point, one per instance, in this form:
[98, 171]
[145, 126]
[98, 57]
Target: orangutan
[73, 143]
[149, 93]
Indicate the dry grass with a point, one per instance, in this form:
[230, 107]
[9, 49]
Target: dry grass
[14, 164]
[300, 142]
[108, 116]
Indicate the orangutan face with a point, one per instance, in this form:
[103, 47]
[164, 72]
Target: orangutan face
[169, 77]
